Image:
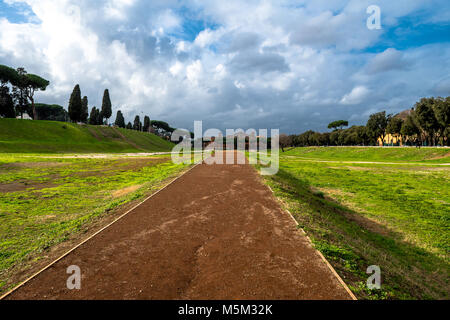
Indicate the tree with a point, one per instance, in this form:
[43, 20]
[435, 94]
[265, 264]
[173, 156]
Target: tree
[426, 119]
[120, 120]
[92, 118]
[376, 125]
[284, 141]
[95, 117]
[442, 112]
[161, 128]
[394, 127]
[8, 75]
[137, 125]
[146, 124]
[51, 112]
[106, 106]
[361, 131]
[129, 125]
[75, 104]
[84, 110]
[19, 93]
[338, 124]
[410, 128]
[33, 83]
[24, 87]
[6, 103]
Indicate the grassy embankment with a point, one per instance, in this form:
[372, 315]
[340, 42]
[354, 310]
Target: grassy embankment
[18, 136]
[396, 216]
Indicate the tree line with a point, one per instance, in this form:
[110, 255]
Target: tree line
[427, 123]
[79, 112]
[79, 109]
[17, 89]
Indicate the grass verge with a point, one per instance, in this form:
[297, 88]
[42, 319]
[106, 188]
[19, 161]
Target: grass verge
[44, 201]
[357, 215]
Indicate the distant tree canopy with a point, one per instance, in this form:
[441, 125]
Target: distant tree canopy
[410, 128]
[339, 124]
[394, 126]
[24, 85]
[129, 126]
[137, 125]
[285, 141]
[442, 113]
[426, 118]
[95, 117]
[51, 112]
[84, 110]
[161, 128]
[31, 83]
[377, 124]
[146, 127]
[75, 104]
[427, 123]
[106, 106]
[8, 75]
[120, 120]
[6, 103]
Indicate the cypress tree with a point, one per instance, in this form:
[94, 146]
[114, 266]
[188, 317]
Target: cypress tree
[75, 104]
[137, 123]
[93, 116]
[129, 126]
[106, 106]
[84, 110]
[99, 117]
[146, 124]
[120, 121]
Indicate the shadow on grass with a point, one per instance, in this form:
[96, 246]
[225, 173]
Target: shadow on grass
[351, 243]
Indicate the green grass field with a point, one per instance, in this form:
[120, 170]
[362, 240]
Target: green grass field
[18, 136]
[396, 216]
[45, 199]
[425, 155]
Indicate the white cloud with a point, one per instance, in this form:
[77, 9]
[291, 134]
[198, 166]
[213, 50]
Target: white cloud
[279, 62]
[176, 68]
[390, 59]
[194, 71]
[355, 96]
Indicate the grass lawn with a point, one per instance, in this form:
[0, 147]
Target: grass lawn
[395, 216]
[44, 199]
[392, 154]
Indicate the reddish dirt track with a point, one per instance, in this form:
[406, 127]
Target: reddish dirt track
[216, 233]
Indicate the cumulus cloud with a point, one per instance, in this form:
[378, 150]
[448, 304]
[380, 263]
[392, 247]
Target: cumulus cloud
[356, 96]
[390, 59]
[242, 64]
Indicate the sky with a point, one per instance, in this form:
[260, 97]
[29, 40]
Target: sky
[288, 65]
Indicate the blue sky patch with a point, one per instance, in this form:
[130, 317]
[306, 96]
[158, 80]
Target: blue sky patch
[16, 12]
[409, 34]
[193, 24]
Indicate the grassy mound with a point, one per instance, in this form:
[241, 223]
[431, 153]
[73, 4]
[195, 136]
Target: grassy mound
[26, 136]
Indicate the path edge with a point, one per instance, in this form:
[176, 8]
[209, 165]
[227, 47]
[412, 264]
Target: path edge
[96, 233]
[333, 271]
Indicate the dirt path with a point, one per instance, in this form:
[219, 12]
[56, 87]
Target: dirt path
[216, 233]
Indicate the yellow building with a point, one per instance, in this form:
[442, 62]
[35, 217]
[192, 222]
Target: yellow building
[390, 140]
